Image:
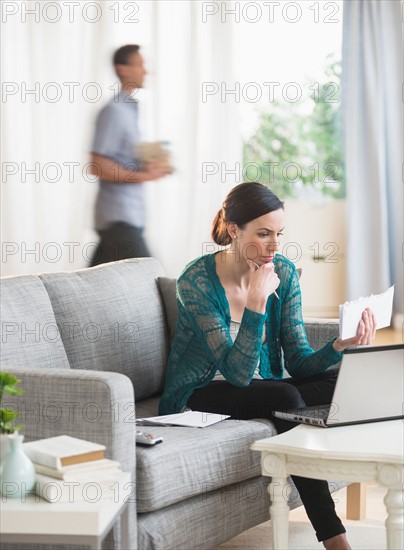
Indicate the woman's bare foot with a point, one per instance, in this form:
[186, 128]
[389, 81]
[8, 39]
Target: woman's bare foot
[339, 542]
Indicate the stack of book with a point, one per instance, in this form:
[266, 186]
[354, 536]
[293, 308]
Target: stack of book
[69, 469]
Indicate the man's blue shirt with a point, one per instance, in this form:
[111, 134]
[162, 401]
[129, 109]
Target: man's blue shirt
[116, 136]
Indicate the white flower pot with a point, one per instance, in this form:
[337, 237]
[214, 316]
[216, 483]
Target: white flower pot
[3, 446]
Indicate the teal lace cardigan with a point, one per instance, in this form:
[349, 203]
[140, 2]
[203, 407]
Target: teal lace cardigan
[203, 344]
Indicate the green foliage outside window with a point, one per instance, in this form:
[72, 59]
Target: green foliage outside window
[297, 146]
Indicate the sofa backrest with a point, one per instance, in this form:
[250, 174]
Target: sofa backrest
[111, 318]
[29, 333]
[168, 289]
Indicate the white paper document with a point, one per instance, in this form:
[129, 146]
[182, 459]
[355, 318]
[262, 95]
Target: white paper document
[350, 313]
[190, 419]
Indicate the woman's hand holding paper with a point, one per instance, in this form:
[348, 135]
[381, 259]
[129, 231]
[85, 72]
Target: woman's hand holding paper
[364, 336]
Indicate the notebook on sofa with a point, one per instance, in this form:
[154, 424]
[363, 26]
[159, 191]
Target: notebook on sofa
[188, 419]
[369, 388]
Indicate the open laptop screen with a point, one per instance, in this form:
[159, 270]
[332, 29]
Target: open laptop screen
[370, 385]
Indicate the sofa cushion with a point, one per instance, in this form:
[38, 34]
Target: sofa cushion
[111, 318]
[168, 289]
[191, 461]
[148, 407]
[29, 333]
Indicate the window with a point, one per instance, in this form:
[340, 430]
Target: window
[288, 66]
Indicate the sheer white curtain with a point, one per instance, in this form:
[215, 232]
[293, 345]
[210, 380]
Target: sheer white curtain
[52, 67]
[62, 52]
[373, 131]
[190, 56]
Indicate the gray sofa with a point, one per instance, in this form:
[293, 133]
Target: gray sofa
[90, 348]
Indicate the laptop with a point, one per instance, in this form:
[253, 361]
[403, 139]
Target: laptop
[369, 388]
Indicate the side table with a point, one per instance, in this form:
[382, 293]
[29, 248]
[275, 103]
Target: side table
[371, 452]
[34, 520]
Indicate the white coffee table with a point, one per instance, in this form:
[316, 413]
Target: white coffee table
[36, 521]
[371, 452]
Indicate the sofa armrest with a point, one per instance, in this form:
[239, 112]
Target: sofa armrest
[92, 405]
[320, 331]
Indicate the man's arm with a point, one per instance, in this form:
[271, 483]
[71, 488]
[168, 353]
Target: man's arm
[109, 170]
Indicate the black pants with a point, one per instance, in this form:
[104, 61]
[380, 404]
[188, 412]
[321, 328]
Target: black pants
[258, 400]
[120, 242]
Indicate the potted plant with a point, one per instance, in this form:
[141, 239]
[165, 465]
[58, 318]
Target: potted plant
[8, 385]
[16, 469]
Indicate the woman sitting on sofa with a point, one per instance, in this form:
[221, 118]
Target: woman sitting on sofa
[237, 310]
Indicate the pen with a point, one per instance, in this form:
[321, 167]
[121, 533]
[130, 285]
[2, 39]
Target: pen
[257, 267]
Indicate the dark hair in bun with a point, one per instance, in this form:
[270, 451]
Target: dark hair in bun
[244, 203]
